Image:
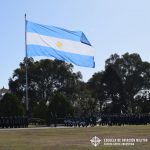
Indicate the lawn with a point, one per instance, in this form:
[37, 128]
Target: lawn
[72, 138]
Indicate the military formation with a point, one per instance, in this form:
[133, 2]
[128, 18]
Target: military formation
[13, 122]
[124, 119]
[103, 119]
[80, 122]
[110, 120]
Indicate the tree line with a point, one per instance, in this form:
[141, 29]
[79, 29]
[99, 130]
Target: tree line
[56, 91]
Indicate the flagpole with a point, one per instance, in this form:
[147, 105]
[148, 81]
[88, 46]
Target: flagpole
[26, 67]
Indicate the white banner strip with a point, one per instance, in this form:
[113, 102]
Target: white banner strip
[60, 44]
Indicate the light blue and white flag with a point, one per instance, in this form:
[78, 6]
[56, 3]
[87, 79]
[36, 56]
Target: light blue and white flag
[62, 44]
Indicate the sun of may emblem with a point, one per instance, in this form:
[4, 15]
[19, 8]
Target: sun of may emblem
[59, 44]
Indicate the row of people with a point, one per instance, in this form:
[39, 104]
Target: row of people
[103, 119]
[80, 122]
[124, 119]
[13, 122]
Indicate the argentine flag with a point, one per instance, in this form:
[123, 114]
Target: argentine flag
[62, 44]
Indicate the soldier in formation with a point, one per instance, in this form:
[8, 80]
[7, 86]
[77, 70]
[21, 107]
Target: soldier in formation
[115, 119]
[80, 122]
[13, 122]
[125, 119]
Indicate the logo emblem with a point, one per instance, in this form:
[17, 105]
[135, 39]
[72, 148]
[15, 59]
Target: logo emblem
[95, 141]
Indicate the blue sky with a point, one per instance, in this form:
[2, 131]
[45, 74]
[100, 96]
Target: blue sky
[112, 26]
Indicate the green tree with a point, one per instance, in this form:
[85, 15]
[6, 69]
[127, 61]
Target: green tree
[113, 90]
[40, 110]
[107, 89]
[97, 90]
[134, 73]
[11, 106]
[85, 105]
[59, 106]
[45, 78]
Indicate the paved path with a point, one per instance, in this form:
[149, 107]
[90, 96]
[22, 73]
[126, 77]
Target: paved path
[35, 128]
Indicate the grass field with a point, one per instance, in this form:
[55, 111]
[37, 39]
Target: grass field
[72, 138]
